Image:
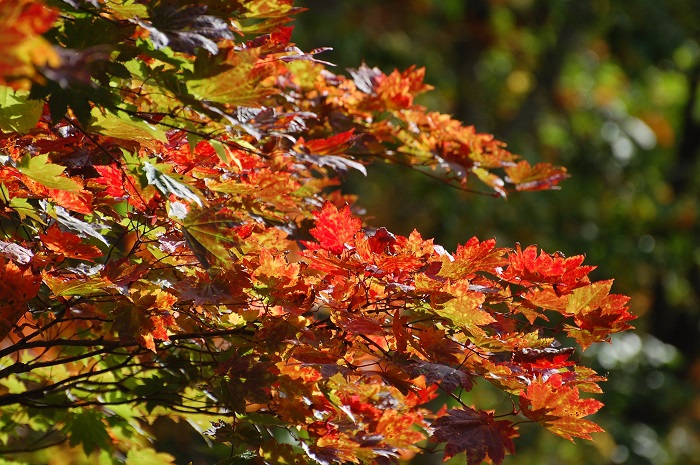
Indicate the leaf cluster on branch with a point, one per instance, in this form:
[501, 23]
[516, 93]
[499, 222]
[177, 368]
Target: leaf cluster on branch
[173, 242]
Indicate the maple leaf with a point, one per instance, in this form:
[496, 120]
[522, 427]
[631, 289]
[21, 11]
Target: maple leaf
[208, 231]
[335, 229]
[366, 79]
[449, 378]
[112, 177]
[17, 287]
[559, 408]
[398, 89]
[588, 298]
[17, 112]
[564, 273]
[534, 178]
[39, 169]
[167, 184]
[597, 324]
[476, 433]
[337, 143]
[183, 28]
[16, 252]
[274, 271]
[464, 308]
[239, 83]
[470, 257]
[68, 245]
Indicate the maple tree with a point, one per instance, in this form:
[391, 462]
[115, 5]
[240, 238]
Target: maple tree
[175, 243]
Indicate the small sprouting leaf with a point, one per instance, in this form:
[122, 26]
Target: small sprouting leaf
[39, 169]
[476, 433]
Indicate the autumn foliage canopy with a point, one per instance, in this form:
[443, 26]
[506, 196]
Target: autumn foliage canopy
[174, 242]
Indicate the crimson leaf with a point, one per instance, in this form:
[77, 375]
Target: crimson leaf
[476, 433]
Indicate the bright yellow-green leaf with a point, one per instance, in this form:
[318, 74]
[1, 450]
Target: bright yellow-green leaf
[588, 297]
[238, 85]
[17, 112]
[128, 9]
[464, 311]
[39, 169]
[124, 126]
[147, 456]
[82, 287]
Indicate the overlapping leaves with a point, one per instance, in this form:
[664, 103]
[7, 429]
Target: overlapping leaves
[173, 240]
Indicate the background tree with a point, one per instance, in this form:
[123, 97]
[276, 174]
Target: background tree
[175, 246]
[609, 89]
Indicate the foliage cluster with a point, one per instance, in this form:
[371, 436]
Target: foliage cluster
[610, 90]
[175, 244]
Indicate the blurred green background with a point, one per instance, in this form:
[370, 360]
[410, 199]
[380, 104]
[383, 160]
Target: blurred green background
[608, 89]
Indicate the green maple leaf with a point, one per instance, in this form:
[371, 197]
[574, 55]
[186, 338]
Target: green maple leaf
[47, 174]
[124, 126]
[17, 112]
[464, 309]
[86, 428]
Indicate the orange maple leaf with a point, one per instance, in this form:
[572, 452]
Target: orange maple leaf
[17, 287]
[68, 244]
[559, 408]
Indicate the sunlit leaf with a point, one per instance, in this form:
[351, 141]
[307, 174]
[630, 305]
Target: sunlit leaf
[39, 169]
[17, 112]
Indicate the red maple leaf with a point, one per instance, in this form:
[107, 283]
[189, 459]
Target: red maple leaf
[335, 228]
[564, 273]
[338, 143]
[476, 433]
[111, 176]
[472, 256]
